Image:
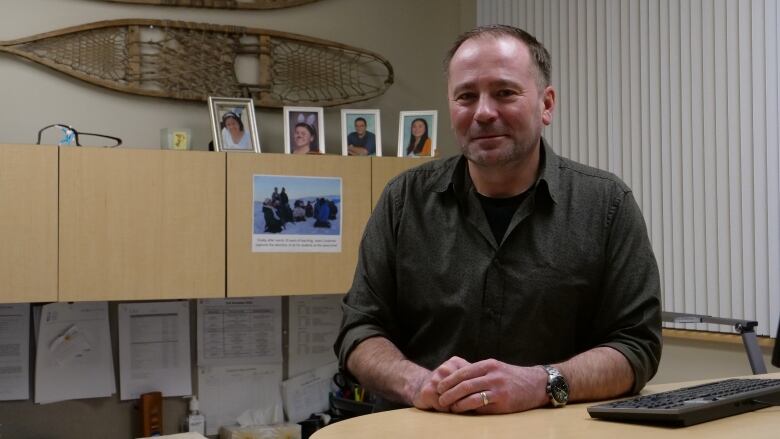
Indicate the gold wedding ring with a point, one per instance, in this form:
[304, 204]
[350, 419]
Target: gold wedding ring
[485, 400]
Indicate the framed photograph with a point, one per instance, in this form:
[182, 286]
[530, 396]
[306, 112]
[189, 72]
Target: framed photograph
[361, 133]
[233, 124]
[417, 133]
[304, 130]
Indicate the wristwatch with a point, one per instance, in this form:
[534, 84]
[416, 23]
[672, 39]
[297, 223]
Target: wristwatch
[557, 388]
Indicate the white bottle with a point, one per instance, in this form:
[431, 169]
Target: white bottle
[195, 420]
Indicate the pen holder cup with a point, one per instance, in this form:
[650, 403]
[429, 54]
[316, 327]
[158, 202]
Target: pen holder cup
[348, 408]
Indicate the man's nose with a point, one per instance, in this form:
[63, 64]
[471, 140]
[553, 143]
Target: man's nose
[486, 109]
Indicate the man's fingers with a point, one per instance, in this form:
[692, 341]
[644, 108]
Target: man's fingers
[479, 402]
[465, 373]
[463, 389]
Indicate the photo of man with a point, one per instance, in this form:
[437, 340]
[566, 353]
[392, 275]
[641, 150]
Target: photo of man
[360, 133]
[361, 141]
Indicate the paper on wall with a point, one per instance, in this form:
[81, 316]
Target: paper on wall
[14, 351]
[74, 357]
[314, 325]
[154, 349]
[228, 392]
[308, 393]
[239, 331]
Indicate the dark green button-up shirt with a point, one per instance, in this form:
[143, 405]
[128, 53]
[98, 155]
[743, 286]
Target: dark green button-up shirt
[575, 270]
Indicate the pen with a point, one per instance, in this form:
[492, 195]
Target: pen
[358, 394]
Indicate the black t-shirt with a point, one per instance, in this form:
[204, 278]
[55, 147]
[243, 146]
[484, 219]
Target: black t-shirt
[499, 212]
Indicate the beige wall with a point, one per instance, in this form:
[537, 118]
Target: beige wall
[687, 360]
[412, 35]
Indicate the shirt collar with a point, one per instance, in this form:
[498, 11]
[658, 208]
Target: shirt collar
[455, 175]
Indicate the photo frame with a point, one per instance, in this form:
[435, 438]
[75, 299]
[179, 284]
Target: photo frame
[304, 130]
[233, 124]
[425, 145]
[352, 141]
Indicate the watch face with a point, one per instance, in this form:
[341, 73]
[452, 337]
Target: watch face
[559, 390]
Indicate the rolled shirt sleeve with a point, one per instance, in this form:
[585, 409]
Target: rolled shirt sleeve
[628, 318]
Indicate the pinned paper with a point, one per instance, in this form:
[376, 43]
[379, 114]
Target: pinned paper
[69, 345]
[74, 357]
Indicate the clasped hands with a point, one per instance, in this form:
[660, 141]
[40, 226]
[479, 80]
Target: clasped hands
[485, 387]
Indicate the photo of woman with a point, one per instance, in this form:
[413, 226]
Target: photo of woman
[233, 134]
[417, 134]
[419, 142]
[233, 125]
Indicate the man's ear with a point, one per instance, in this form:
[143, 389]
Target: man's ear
[548, 102]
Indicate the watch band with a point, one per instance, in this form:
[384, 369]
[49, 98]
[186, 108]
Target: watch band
[557, 387]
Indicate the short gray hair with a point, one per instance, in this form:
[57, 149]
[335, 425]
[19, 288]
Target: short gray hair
[538, 52]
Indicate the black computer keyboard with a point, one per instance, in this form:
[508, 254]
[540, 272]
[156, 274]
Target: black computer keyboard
[693, 405]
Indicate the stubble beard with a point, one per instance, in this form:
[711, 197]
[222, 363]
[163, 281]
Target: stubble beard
[508, 155]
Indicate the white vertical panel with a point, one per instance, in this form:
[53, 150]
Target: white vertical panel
[571, 78]
[634, 177]
[680, 99]
[698, 161]
[686, 169]
[591, 101]
[552, 40]
[613, 86]
[654, 212]
[709, 159]
[675, 162]
[772, 19]
[625, 88]
[664, 247]
[640, 164]
[722, 157]
[579, 148]
[759, 164]
[746, 150]
[602, 93]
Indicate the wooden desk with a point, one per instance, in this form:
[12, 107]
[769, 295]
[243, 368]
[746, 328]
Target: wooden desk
[571, 421]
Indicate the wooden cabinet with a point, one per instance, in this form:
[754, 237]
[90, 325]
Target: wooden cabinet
[28, 224]
[83, 224]
[262, 274]
[141, 224]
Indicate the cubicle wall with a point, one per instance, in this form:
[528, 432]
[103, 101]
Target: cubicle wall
[28, 225]
[141, 224]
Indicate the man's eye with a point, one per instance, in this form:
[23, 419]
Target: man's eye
[465, 97]
[506, 93]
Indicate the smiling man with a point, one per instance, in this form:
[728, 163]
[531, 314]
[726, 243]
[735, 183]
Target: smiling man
[361, 141]
[506, 278]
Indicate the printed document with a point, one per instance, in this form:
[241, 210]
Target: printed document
[154, 349]
[239, 331]
[308, 393]
[228, 392]
[314, 326]
[14, 351]
[74, 357]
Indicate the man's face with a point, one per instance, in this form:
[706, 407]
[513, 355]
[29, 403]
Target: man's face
[360, 127]
[496, 106]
